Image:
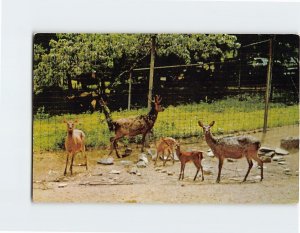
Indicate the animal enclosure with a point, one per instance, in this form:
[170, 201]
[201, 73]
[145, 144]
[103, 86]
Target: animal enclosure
[135, 95]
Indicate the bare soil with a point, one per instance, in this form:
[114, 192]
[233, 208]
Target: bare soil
[99, 186]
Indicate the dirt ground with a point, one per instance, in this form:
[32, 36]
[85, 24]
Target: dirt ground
[155, 185]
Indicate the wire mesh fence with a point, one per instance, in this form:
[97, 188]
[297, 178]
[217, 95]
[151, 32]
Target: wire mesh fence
[232, 93]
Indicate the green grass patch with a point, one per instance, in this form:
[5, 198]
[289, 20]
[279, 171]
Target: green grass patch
[231, 115]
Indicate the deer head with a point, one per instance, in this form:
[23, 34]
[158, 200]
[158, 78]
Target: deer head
[70, 125]
[206, 128]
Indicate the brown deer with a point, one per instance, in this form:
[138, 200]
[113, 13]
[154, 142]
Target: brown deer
[184, 157]
[234, 147]
[165, 146]
[132, 126]
[74, 143]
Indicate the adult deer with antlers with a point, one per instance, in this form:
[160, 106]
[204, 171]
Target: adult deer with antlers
[234, 147]
[132, 126]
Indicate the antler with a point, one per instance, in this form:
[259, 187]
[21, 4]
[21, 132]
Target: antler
[158, 99]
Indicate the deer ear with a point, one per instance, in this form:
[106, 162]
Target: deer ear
[76, 121]
[200, 124]
[212, 123]
[64, 120]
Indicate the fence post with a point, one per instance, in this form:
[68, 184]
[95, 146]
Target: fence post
[151, 74]
[269, 79]
[129, 89]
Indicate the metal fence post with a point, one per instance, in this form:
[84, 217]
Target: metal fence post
[151, 74]
[129, 89]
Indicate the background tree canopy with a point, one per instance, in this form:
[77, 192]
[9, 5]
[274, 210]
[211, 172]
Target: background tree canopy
[109, 55]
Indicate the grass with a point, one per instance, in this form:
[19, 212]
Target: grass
[231, 115]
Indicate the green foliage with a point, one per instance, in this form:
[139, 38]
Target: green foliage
[177, 122]
[112, 54]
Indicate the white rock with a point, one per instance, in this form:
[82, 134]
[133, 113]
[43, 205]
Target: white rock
[280, 151]
[143, 157]
[114, 172]
[62, 185]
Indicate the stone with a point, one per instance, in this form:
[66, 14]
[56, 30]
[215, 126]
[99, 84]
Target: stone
[97, 174]
[231, 160]
[207, 171]
[287, 170]
[127, 152]
[126, 163]
[106, 161]
[163, 171]
[62, 185]
[151, 152]
[133, 170]
[269, 154]
[280, 151]
[290, 143]
[143, 157]
[297, 173]
[141, 164]
[265, 149]
[114, 172]
[210, 154]
[278, 158]
[138, 174]
[282, 163]
[170, 173]
[266, 159]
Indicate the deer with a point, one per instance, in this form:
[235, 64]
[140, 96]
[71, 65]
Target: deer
[74, 143]
[165, 146]
[234, 147]
[132, 126]
[184, 157]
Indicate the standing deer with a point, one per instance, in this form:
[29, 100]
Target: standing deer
[132, 126]
[234, 147]
[74, 143]
[184, 157]
[165, 146]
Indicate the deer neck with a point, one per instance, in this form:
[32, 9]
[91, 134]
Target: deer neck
[152, 115]
[211, 141]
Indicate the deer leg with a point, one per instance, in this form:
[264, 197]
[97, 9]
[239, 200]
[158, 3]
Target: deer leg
[114, 145]
[143, 142]
[260, 163]
[220, 168]
[249, 168]
[202, 171]
[71, 165]
[65, 172]
[198, 168]
[183, 167]
[180, 172]
[84, 154]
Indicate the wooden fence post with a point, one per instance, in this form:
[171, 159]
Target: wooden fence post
[151, 74]
[268, 87]
[129, 90]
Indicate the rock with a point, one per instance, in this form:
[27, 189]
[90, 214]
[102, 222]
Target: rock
[141, 164]
[106, 161]
[114, 172]
[126, 163]
[269, 154]
[265, 149]
[231, 160]
[287, 170]
[280, 151]
[138, 174]
[266, 159]
[62, 185]
[127, 152]
[207, 171]
[97, 174]
[257, 177]
[133, 170]
[151, 152]
[164, 171]
[297, 173]
[170, 173]
[278, 158]
[282, 163]
[175, 156]
[158, 169]
[290, 143]
[210, 154]
[143, 157]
